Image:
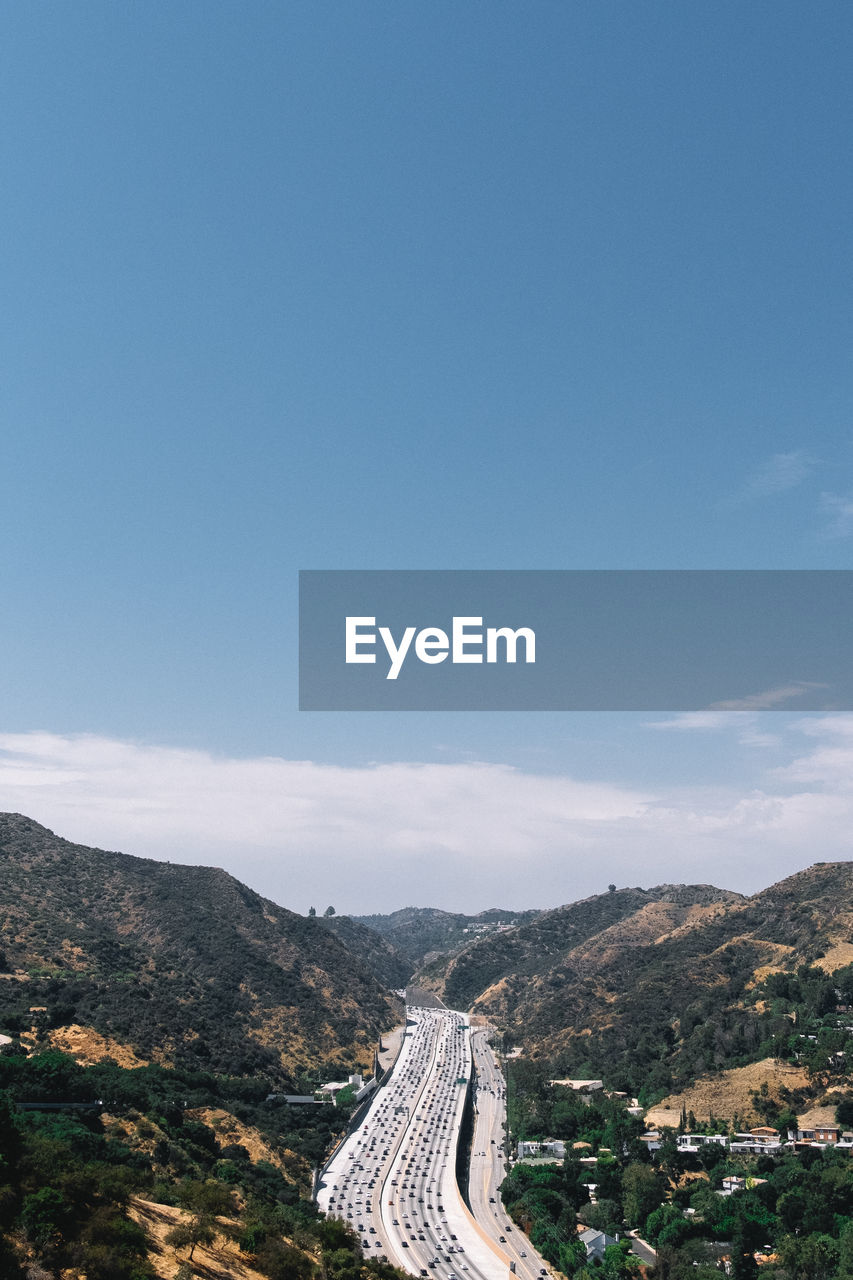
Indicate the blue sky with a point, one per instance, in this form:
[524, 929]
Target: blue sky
[396, 285]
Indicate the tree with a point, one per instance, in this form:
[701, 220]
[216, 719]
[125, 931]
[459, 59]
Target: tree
[330, 911]
[667, 1225]
[345, 1099]
[281, 1261]
[191, 1233]
[642, 1192]
[812, 1257]
[611, 888]
[571, 1257]
[619, 1262]
[312, 911]
[204, 1201]
[10, 1139]
[43, 1216]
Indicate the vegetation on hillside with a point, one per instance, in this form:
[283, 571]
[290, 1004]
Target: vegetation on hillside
[68, 1177]
[793, 1213]
[653, 988]
[419, 932]
[184, 964]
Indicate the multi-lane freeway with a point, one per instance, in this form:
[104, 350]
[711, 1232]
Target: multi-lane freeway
[394, 1179]
[488, 1163]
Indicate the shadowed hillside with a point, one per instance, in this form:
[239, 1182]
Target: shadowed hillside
[185, 965]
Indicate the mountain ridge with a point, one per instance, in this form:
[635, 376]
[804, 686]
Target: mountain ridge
[208, 971]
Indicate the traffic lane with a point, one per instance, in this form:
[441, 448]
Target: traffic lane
[436, 1131]
[427, 1061]
[368, 1143]
[529, 1263]
[479, 1249]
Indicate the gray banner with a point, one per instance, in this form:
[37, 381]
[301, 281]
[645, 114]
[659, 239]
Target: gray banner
[575, 640]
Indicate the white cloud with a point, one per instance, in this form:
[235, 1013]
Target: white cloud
[463, 836]
[297, 823]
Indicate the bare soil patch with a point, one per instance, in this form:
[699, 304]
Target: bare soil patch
[222, 1261]
[728, 1094]
[88, 1047]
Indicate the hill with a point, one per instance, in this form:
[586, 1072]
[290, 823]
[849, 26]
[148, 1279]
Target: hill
[389, 965]
[184, 965]
[619, 919]
[651, 988]
[424, 933]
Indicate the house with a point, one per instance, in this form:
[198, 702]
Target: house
[355, 1082]
[595, 1242]
[820, 1133]
[553, 1150]
[735, 1183]
[732, 1184]
[580, 1086]
[298, 1099]
[761, 1140]
[652, 1140]
[693, 1141]
[817, 1125]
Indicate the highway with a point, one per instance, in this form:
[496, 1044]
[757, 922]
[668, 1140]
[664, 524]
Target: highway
[394, 1179]
[489, 1165]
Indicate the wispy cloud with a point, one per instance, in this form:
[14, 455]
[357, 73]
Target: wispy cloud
[837, 511]
[743, 724]
[691, 721]
[781, 472]
[769, 699]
